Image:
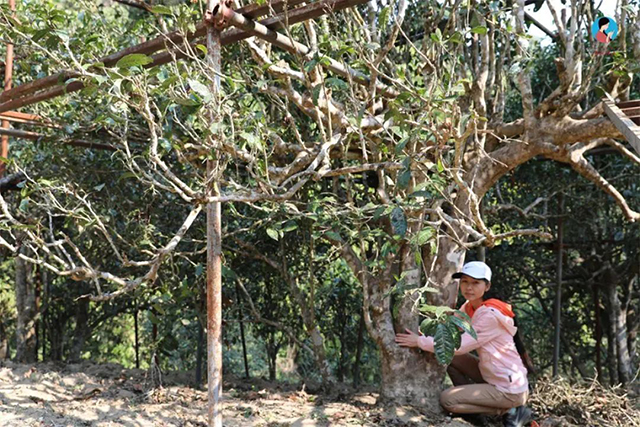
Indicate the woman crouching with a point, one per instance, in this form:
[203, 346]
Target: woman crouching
[496, 382]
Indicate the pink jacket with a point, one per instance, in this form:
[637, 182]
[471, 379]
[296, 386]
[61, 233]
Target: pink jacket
[500, 363]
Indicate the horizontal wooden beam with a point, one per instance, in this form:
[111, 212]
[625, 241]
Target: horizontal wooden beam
[630, 111]
[41, 96]
[232, 35]
[137, 4]
[33, 136]
[36, 85]
[627, 104]
[30, 119]
[16, 115]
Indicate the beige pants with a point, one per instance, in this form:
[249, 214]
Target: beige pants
[471, 394]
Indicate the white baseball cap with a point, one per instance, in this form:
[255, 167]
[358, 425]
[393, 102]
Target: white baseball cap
[475, 269]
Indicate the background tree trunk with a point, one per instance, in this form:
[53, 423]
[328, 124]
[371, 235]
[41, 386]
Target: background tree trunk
[359, 345]
[27, 313]
[622, 337]
[136, 332]
[81, 331]
[242, 339]
[306, 302]
[56, 339]
[4, 342]
[613, 307]
[557, 311]
[343, 350]
[633, 313]
[199, 353]
[287, 364]
[272, 346]
[598, 330]
[154, 338]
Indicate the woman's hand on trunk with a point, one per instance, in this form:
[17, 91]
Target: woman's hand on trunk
[408, 340]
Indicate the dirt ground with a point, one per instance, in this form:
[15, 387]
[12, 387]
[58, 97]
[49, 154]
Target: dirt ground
[107, 395]
[50, 395]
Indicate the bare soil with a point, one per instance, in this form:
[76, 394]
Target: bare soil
[107, 395]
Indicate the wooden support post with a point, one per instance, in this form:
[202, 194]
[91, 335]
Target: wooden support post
[214, 227]
[8, 77]
[44, 279]
[37, 279]
[558, 301]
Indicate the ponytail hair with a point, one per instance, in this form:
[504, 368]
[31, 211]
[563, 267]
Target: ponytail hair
[526, 360]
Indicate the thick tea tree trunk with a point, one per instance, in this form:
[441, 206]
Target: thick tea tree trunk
[409, 379]
[27, 313]
[409, 375]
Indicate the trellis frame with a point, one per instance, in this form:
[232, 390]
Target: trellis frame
[162, 52]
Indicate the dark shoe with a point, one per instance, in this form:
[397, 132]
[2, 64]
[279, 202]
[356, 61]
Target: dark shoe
[476, 419]
[517, 417]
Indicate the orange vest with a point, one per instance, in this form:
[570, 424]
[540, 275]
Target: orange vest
[492, 302]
